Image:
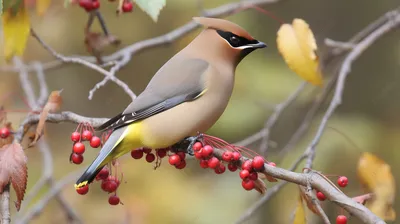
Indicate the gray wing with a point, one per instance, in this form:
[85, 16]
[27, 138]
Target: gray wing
[178, 81]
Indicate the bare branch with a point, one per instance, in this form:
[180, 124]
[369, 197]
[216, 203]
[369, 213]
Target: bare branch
[275, 116]
[321, 184]
[110, 75]
[5, 205]
[344, 71]
[40, 205]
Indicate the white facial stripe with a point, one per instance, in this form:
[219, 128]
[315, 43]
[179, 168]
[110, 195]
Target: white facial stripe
[244, 47]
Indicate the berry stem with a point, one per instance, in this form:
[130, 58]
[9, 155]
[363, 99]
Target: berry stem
[102, 22]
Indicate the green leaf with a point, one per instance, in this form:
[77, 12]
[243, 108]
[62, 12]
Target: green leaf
[1, 7]
[151, 7]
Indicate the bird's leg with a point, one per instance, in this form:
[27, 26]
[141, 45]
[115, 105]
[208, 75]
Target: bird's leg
[187, 144]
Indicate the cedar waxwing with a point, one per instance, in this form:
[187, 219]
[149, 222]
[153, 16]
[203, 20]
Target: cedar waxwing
[186, 96]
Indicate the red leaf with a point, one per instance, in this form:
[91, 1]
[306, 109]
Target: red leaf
[13, 168]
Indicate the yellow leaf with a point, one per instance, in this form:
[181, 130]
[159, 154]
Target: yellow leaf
[42, 6]
[16, 29]
[300, 215]
[298, 47]
[376, 175]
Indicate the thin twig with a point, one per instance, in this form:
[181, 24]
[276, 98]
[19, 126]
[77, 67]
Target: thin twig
[109, 75]
[5, 205]
[40, 205]
[343, 73]
[275, 116]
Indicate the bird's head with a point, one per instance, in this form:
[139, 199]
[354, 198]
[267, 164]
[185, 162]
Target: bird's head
[233, 39]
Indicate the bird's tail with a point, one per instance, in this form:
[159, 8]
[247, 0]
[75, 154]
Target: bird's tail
[105, 156]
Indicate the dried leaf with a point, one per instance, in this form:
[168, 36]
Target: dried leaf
[297, 45]
[362, 199]
[53, 105]
[376, 175]
[13, 168]
[300, 215]
[10, 138]
[16, 29]
[151, 7]
[308, 200]
[260, 186]
[42, 6]
[268, 177]
[95, 43]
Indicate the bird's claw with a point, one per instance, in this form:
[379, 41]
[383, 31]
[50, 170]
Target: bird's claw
[187, 143]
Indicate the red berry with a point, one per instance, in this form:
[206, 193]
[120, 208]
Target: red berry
[182, 155]
[321, 196]
[220, 169]
[204, 164]
[76, 158]
[227, 156]
[248, 184]
[75, 136]
[341, 219]
[137, 153]
[146, 150]
[4, 132]
[258, 163]
[232, 167]
[109, 185]
[181, 165]
[244, 174]
[87, 135]
[95, 142]
[83, 190]
[95, 4]
[86, 4]
[174, 159]
[247, 165]
[342, 181]
[113, 200]
[253, 176]
[150, 157]
[236, 156]
[79, 148]
[198, 155]
[207, 151]
[127, 6]
[103, 174]
[271, 164]
[213, 162]
[162, 152]
[197, 146]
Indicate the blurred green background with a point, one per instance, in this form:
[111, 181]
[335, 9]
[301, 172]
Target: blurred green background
[368, 115]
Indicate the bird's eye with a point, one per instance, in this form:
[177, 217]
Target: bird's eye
[234, 40]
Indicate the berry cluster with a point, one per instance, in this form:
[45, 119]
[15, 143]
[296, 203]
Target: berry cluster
[84, 132]
[109, 184]
[150, 157]
[4, 132]
[342, 181]
[89, 5]
[249, 168]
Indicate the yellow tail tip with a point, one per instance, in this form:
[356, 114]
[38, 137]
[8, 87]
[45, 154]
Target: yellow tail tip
[82, 184]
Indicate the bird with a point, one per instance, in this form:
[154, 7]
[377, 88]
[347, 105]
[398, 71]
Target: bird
[186, 96]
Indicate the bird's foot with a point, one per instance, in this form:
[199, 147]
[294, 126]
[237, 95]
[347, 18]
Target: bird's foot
[187, 144]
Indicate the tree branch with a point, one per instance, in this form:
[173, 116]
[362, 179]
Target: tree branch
[5, 205]
[109, 74]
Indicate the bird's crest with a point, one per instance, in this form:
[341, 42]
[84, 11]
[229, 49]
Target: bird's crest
[224, 25]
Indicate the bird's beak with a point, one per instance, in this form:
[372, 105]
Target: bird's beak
[259, 45]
